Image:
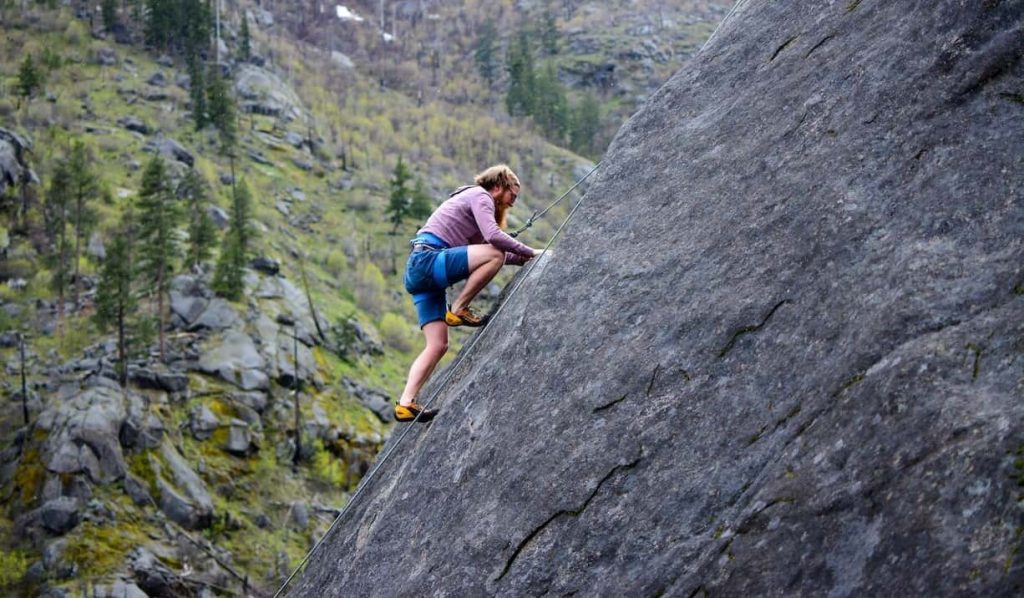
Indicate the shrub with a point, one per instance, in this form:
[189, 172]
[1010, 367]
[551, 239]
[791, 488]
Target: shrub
[335, 263]
[369, 289]
[326, 468]
[75, 33]
[396, 333]
[13, 566]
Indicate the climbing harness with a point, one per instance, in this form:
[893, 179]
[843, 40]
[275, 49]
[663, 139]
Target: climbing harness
[365, 482]
[537, 215]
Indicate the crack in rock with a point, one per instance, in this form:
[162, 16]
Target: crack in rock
[748, 329]
[566, 512]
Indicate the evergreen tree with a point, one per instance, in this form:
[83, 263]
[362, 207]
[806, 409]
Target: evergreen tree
[245, 45]
[228, 278]
[197, 91]
[84, 188]
[221, 109]
[56, 216]
[484, 53]
[29, 78]
[400, 198]
[519, 100]
[201, 231]
[116, 303]
[586, 121]
[551, 108]
[108, 8]
[158, 28]
[421, 205]
[549, 36]
[159, 215]
[177, 26]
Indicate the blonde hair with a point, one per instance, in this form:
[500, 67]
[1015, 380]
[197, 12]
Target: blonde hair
[494, 177]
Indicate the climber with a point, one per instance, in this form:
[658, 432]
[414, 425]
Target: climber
[462, 240]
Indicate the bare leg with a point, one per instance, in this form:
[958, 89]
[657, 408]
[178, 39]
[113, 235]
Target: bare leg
[484, 263]
[436, 333]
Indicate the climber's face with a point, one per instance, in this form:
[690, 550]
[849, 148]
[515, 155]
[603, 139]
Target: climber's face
[507, 197]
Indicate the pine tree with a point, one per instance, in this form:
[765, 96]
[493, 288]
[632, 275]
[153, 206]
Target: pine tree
[550, 108]
[221, 109]
[549, 35]
[56, 217]
[484, 52]
[108, 8]
[245, 45]
[201, 231]
[228, 279]
[586, 121]
[519, 100]
[159, 216]
[116, 303]
[29, 78]
[421, 205]
[400, 198]
[197, 92]
[158, 28]
[84, 188]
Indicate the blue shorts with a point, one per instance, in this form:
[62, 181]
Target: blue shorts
[429, 272]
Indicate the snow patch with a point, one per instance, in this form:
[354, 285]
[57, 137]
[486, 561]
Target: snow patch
[345, 14]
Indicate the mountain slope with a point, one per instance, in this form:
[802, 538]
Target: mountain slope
[778, 351]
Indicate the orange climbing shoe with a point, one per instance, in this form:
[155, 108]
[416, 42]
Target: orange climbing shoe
[464, 317]
[408, 413]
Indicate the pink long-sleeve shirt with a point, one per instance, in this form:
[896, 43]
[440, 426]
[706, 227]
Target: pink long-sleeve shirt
[467, 218]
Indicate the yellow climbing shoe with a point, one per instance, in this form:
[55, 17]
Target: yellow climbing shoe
[408, 413]
[464, 317]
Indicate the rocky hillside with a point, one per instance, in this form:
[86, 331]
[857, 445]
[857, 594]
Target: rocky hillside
[430, 49]
[779, 350]
[200, 476]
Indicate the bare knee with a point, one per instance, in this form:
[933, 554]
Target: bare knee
[496, 255]
[438, 349]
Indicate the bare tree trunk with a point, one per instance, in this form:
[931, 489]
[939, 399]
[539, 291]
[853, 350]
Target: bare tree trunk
[295, 385]
[24, 382]
[63, 266]
[160, 310]
[122, 349]
[78, 250]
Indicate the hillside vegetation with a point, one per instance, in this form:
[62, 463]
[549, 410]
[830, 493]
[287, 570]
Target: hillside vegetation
[323, 301]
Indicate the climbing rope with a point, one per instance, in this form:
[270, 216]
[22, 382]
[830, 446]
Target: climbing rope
[448, 374]
[715, 32]
[537, 215]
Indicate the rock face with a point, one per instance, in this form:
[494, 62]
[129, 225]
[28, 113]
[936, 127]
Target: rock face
[264, 93]
[13, 165]
[778, 351]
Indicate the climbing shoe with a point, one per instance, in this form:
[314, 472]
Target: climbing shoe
[407, 413]
[464, 317]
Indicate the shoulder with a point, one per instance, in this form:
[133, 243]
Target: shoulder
[479, 197]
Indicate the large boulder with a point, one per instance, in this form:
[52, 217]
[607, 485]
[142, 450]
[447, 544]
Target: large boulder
[235, 358]
[83, 434]
[262, 92]
[171, 150]
[60, 515]
[14, 168]
[777, 352]
[183, 495]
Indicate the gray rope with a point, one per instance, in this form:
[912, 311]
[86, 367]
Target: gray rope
[715, 32]
[537, 215]
[448, 374]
